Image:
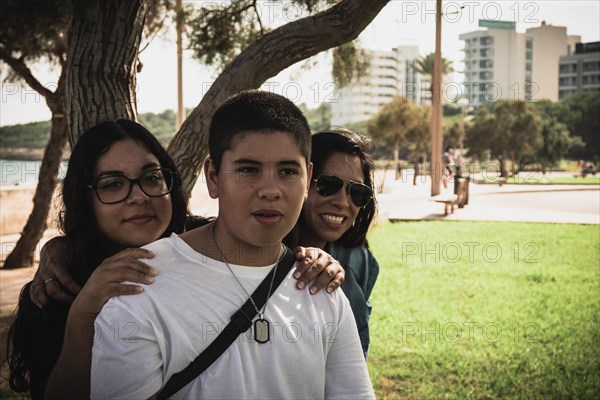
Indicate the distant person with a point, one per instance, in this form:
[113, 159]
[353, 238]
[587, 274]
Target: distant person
[587, 169]
[418, 167]
[448, 164]
[398, 170]
[458, 165]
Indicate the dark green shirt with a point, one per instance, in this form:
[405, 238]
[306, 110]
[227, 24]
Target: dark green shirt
[362, 270]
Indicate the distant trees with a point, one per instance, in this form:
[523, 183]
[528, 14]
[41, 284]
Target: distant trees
[33, 31]
[507, 130]
[318, 118]
[557, 142]
[581, 117]
[402, 124]
[516, 133]
[454, 135]
[541, 132]
[424, 65]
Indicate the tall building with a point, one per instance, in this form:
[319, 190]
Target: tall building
[494, 60]
[549, 44]
[580, 71]
[390, 74]
[501, 63]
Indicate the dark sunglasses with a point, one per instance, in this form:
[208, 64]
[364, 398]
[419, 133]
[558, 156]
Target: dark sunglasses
[328, 185]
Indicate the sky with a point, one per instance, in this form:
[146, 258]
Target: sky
[399, 23]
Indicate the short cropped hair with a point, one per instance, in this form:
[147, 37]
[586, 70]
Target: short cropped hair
[255, 110]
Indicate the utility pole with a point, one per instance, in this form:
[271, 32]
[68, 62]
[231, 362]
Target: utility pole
[180, 110]
[436, 107]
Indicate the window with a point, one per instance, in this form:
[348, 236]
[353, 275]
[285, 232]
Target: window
[529, 44]
[487, 41]
[486, 64]
[591, 66]
[486, 53]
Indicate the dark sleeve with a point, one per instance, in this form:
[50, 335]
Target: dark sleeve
[36, 340]
[361, 273]
[373, 273]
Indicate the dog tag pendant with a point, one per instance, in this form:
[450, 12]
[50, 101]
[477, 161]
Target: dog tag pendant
[261, 330]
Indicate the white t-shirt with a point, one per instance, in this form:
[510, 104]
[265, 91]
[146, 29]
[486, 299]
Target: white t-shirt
[142, 340]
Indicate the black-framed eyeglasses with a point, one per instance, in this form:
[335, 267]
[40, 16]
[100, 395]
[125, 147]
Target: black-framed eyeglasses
[328, 185]
[115, 188]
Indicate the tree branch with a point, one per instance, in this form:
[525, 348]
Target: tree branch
[266, 57]
[257, 14]
[307, 37]
[24, 72]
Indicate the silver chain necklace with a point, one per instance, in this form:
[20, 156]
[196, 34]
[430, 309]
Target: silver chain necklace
[261, 325]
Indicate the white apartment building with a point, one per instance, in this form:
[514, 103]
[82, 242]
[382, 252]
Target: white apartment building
[580, 71]
[549, 44]
[390, 74]
[501, 63]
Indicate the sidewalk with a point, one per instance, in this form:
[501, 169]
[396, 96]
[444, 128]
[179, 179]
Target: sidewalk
[578, 204]
[402, 201]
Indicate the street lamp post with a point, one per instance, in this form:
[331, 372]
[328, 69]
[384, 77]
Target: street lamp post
[180, 116]
[436, 107]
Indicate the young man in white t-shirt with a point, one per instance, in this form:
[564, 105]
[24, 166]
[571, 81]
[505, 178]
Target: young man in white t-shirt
[260, 172]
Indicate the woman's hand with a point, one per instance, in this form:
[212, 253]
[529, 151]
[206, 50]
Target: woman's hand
[52, 278]
[316, 262]
[106, 281]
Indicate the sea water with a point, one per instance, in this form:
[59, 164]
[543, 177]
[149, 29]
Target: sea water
[24, 173]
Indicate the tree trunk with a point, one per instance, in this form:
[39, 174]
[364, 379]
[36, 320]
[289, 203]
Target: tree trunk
[100, 81]
[101, 64]
[397, 166]
[264, 58]
[503, 170]
[23, 253]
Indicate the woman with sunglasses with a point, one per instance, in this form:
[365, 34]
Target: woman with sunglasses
[121, 191]
[338, 212]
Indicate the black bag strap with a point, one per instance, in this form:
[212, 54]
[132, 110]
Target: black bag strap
[241, 321]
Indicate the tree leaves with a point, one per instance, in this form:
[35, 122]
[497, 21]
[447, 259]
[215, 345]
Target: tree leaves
[401, 123]
[350, 64]
[508, 130]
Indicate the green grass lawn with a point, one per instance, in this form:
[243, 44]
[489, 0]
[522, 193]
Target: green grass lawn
[588, 180]
[538, 180]
[486, 310]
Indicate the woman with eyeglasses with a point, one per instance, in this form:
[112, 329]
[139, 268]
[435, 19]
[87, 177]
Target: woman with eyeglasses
[338, 212]
[121, 191]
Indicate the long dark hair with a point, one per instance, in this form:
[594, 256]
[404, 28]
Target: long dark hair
[342, 140]
[76, 220]
[35, 338]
